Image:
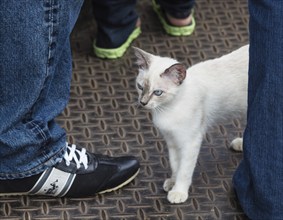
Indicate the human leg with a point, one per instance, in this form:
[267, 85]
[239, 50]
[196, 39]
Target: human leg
[118, 25]
[176, 16]
[177, 9]
[258, 180]
[35, 68]
[35, 82]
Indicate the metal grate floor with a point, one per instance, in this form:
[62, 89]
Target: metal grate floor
[102, 116]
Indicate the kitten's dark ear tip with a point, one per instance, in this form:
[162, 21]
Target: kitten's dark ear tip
[136, 50]
[143, 58]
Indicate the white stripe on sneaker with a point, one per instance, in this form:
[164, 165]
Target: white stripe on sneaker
[53, 182]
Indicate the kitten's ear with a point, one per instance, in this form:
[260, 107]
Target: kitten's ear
[143, 58]
[176, 73]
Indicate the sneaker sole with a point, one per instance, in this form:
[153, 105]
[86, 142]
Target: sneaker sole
[121, 185]
[117, 52]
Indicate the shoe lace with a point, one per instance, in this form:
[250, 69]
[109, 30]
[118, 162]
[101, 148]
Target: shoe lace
[79, 156]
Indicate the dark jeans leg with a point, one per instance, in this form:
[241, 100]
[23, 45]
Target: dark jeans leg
[177, 8]
[259, 178]
[116, 19]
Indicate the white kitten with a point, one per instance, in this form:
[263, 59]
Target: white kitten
[184, 103]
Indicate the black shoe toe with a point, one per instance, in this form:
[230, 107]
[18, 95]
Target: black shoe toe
[104, 175]
[127, 169]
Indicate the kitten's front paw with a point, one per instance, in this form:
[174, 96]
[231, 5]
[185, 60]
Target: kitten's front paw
[177, 197]
[168, 184]
[237, 144]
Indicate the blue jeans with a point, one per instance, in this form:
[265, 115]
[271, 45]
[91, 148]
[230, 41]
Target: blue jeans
[116, 19]
[258, 180]
[35, 75]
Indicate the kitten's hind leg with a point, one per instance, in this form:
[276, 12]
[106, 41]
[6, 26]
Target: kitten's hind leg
[237, 144]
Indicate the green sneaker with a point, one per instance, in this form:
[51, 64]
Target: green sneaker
[118, 52]
[170, 29]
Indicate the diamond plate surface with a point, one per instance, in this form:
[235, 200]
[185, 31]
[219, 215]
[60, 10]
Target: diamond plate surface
[102, 115]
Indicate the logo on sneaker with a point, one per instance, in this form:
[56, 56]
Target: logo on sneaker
[52, 189]
[53, 182]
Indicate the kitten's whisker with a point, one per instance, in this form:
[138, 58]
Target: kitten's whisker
[161, 109]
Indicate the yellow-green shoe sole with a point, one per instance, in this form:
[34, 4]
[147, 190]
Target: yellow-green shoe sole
[173, 30]
[119, 51]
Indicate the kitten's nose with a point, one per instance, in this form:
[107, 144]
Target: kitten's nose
[143, 103]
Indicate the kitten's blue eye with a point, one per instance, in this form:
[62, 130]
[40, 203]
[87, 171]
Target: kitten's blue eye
[158, 92]
[140, 86]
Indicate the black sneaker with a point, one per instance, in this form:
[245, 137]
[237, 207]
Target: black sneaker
[79, 174]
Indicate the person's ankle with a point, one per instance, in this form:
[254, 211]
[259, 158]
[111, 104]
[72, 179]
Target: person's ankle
[138, 23]
[179, 22]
